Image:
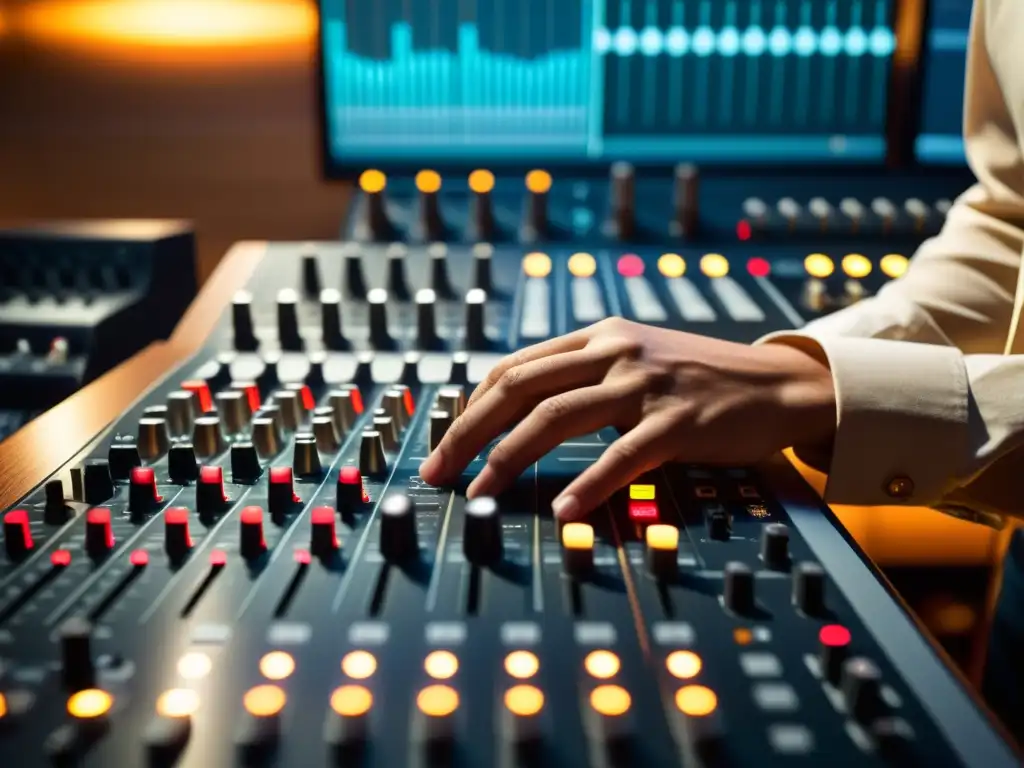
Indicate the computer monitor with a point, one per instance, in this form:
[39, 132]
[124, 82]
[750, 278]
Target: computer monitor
[940, 139]
[580, 82]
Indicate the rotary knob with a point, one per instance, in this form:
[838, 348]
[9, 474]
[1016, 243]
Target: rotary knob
[266, 436]
[153, 439]
[398, 541]
[622, 216]
[861, 686]
[398, 283]
[207, 438]
[685, 201]
[481, 539]
[245, 463]
[482, 253]
[440, 421]
[77, 667]
[288, 320]
[330, 319]
[394, 405]
[182, 466]
[311, 285]
[241, 322]
[371, 454]
[355, 280]
[325, 434]
[122, 458]
[738, 591]
[380, 336]
[775, 546]
[426, 319]
[181, 412]
[346, 405]
[306, 458]
[476, 334]
[460, 368]
[452, 400]
[363, 375]
[289, 402]
[97, 484]
[439, 281]
[387, 429]
[809, 588]
[234, 410]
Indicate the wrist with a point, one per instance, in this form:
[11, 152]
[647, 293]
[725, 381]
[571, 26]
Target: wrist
[806, 393]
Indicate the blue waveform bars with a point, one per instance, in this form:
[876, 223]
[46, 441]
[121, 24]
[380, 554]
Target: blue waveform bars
[941, 138]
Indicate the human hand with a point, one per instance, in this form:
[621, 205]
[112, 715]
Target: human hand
[674, 396]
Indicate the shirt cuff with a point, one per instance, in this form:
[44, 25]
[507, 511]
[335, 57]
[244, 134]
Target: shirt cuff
[902, 418]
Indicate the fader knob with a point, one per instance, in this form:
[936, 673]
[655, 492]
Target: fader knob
[122, 458]
[251, 541]
[388, 430]
[775, 546]
[426, 319]
[460, 368]
[55, 509]
[233, 407]
[662, 550]
[430, 224]
[99, 532]
[833, 650]
[182, 466]
[306, 458]
[394, 405]
[398, 541]
[77, 668]
[315, 380]
[355, 280]
[410, 374]
[241, 322]
[350, 496]
[452, 400]
[346, 405]
[380, 335]
[177, 539]
[268, 378]
[245, 463]
[266, 437]
[363, 375]
[330, 319]
[281, 496]
[398, 284]
[143, 497]
[97, 484]
[535, 210]
[371, 454]
[440, 421]
[738, 591]
[481, 538]
[288, 320]
[210, 495]
[311, 286]
[439, 281]
[685, 201]
[207, 437]
[577, 548]
[181, 412]
[481, 209]
[152, 439]
[325, 434]
[323, 538]
[17, 535]
[809, 588]
[861, 686]
[482, 254]
[476, 335]
[622, 215]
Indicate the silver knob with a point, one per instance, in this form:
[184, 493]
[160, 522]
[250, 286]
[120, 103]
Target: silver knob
[439, 423]
[233, 407]
[755, 208]
[181, 412]
[451, 400]
[394, 405]
[266, 436]
[306, 458]
[371, 454]
[325, 433]
[343, 404]
[207, 438]
[290, 404]
[388, 430]
[153, 439]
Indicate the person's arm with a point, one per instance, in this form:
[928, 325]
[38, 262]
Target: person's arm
[921, 422]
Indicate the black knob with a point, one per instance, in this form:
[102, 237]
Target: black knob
[363, 375]
[387, 429]
[217, 379]
[306, 458]
[476, 334]
[346, 404]
[234, 410]
[153, 438]
[182, 466]
[375, 225]
[181, 412]
[439, 281]
[426, 319]
[288, 320]
[809, 588]
[55, 510]
[738, 591]
[269, 378]
[281, 497]
[481, 539]
[482, 254]
[833, 650]
[717, 522]
[355, 280]
[143, 497]
[325, 433]
[210, 496]
[622, 214]
[430, 224]
[98, 486]
[77, 668]
[861, 685]
[685, 201]
[398, 284]
[241, 322]
[350, 497]
[207, 438]
[535, 210]
[330, 319]
[315, 380]
[251, 540]
[371, 454]
[266, 436]
[460, 368]
[439, 423]
[323, 538]
[893, 738]
[481, 213]
[398, 541]
[311, 285]
[775, 546]
[245, 463]
[122, 458]
[380, 335]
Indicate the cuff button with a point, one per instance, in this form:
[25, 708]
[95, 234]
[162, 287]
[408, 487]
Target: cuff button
[899, 487]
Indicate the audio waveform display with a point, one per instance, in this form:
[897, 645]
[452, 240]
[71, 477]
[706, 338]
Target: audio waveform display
[509, 81]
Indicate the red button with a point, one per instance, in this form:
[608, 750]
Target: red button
[99, 534]
[142, 493]
[202, 389]
[351, 492]
[252, 542]
[308, 402]
[323, 537]
[177, 539]
[17, 534]
[139, 558]
[60, 558]
[643, 511]
[210, 494]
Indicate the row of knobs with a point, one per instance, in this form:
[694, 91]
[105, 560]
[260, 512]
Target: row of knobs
[758, 213]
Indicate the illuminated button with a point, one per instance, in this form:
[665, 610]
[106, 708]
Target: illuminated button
[819, 265]
[522, 665]
[177, 703]
[441, 665]
[537, 264]
[350, 705]
[643, 511]
[194, 665]
[671, 265]
[696, 700]
[582, 265]
[641, 492]
[437, 705]
[351, 700]
[630, 265]
[759, 267]
[523, 705]
[90, 704]
[663, 537]
[602, 664]
[428, 182]
[610, 700]
[372, 182]
[834, 644]
[3, 706]
[742, 636]
[683, 664]
[538, 182]
[60, 558]
[359, 665]
[894, 265]
[481, 181]
[277, 665]
[714, 265]
[139, 558]
[856, 265]
[264, 701]
[577, 547]
[662, 549]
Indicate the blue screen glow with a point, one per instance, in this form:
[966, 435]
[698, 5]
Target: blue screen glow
[940, 140]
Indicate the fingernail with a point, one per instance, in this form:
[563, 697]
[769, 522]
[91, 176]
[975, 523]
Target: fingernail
[565, 507]
[483, 482]
[432, 467]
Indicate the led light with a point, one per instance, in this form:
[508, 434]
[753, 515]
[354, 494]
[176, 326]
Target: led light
[671, 265]
[602, 664]
[664, 537]
[194, 665]
[742, 636]
[437, 700]
[481, 181]
[630, 265]
[537, 264]
[819, 265]
[577, 536]
[60, 558]
[582, 265]
[714, 265]
[894, 265]
[643, 511]
[3, 706]
[743, 231]
[264, 700]
[834, 635]
[428, 182]
[90, 704]
[359, 665]
[372, 182]
[441, 665]
[759, 267]
[522, 665]
[696, 700]
[351, 700]
[524, 700]
[641, 492]
[277, 665]
[856, 265]
[610, 700]
[683, 664]
[139, 558]
[177, 702]
[538, 182]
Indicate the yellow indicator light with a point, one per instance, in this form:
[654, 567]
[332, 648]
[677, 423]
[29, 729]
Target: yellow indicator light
[537, 264]
[856, 265]
[819, 265]
[90, 704]
[524, 700]
[194, 665]
[582, 265]
[672, 265]
[538, 182]
[441, 665]
[662, 536]
[641, 492]
[714, 265]
[177, 703]
[696, 700]
[277, 665]
[372, 182]
[601, 664]
[683, 664]
[351, 700]
[743, 636]
[428, 181]
[894, 265]
[522, 665]
[577, 536]
[610, 700]
[264, 700]
[3, 706]
[481, 181]
[359, 665]
[437, 700]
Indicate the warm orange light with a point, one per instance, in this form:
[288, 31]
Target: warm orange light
[177, 702]
[856, 265]
[537, 264]
[602, 664]
[714, 265]
[194, 665]
[351, 700]
[277, 665]
[894, 265]
[696, 700]
[742, 636]
[359, 665]
[481, 181]
[372, 182]
[90, 704]
[582, 265]
[441, 665]
[428, 181]
[264, 700]
[522, 664]
[578, 536]
[437, 700]
[538, 182]
[610, 700]
[683, 664]
[524, 700]
[3, 706]
[671, 265]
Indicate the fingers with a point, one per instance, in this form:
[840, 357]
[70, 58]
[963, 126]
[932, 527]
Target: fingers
[638, 451]
[517, 392]
[555, 420]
